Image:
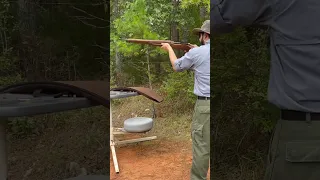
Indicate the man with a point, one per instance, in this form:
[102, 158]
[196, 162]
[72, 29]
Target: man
[294, 84]
[198, 60]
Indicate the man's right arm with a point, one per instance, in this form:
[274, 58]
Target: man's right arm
[225, 15]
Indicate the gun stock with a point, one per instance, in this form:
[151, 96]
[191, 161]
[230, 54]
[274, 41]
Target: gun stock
[174, 45]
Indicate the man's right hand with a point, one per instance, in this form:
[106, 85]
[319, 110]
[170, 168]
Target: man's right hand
[192, 46]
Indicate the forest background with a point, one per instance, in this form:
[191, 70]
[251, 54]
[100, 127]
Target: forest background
[59, 40]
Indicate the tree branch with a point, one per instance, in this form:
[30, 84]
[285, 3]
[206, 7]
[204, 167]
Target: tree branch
[89, 14]
[96, 45]
[82, 17]
[94, 26]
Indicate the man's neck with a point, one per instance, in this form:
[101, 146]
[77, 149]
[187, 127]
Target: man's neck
[207, 41]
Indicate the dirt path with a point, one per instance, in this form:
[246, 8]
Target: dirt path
[156, 160]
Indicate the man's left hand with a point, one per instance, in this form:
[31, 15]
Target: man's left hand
[192, 46]
[165, 46]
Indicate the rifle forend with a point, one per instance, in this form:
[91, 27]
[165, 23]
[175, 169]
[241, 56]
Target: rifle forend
[174, 45]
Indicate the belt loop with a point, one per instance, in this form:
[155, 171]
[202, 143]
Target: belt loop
[308, 117]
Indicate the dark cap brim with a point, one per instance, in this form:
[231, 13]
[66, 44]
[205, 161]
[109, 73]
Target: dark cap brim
[196, 31]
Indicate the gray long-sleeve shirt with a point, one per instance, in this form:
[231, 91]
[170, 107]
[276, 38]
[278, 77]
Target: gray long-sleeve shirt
[294, 44]
[198, 60]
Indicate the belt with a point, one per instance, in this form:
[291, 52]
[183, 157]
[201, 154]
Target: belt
[299, 115]
[203, 98]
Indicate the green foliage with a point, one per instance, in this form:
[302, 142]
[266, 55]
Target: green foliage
[9, 72]
[153, 20]
[134, 23]
[66, 43]
[188, 3]
[4, 13]
[21, 126]
[6, 27]
[179, 86]
[241, 69]
[243, 118]
[12, 79]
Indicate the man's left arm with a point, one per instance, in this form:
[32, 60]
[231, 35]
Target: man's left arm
[173, 58]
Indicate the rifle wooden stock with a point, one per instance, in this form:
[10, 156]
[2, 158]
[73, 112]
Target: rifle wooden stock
[174, 45]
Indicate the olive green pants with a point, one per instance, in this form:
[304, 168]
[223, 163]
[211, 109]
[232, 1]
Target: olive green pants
[200, 133]
[294, 152]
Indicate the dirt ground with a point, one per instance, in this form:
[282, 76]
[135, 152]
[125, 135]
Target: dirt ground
[74, 139]
[80, 138]
[156, 160]
[167, 158]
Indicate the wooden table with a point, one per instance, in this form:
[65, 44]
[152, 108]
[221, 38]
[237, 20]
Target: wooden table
[115, 131]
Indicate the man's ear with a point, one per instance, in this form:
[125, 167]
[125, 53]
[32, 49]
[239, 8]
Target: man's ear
[207, 35]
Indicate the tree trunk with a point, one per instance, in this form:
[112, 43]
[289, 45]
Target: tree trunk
[150, 81]
[118, 63]
[27, 27]
[149, 70]
[106, 7]
[174, 25]
[118, 68]
[74, 70]
[2, 42]
[203, 12]
[157, 66]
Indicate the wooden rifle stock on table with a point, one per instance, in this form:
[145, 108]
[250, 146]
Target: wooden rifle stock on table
[174, 45]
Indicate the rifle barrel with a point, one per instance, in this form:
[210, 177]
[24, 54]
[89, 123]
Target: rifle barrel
[146, 41]
[175, 45]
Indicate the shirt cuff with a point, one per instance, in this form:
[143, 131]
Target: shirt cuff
[177, 64]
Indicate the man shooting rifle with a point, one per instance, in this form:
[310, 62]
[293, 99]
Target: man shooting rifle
[198, 60]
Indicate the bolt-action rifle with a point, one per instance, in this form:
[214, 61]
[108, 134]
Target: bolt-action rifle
[174, 45]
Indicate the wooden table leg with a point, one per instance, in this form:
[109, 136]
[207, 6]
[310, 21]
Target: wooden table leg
[3, 150]
[114, 157]
[112, 144]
